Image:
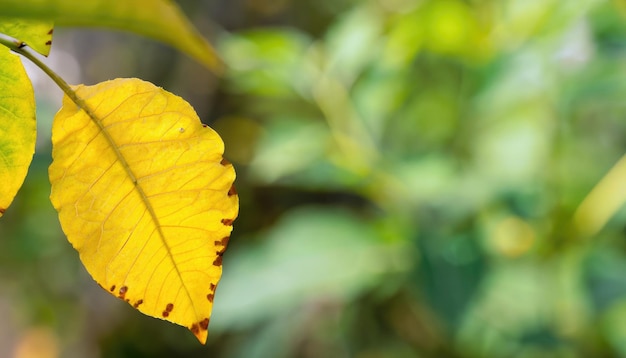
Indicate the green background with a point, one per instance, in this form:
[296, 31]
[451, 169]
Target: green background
[408, 173]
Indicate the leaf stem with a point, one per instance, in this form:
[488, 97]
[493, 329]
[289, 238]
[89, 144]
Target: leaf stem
[21, 48]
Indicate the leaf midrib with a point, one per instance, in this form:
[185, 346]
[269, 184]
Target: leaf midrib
[131, 175]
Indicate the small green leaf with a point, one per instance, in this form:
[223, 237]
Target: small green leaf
[161, 20]
[36, 34]
[17, 126]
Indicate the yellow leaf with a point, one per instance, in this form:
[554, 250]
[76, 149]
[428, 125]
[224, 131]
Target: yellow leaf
[158, 19]
[17, 126]
[35, 33]
[146, 198]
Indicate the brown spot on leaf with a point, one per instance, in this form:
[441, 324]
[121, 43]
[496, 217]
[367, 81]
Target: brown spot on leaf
[122, 292]
[112, 288]
[204, 324]
[168, 308]
[212, 287]
[205, 125]
[228, 222]
[50, 32]
[138, 303]
[48, 42]
[223, 241]
[224, 162]
[232, 191]
[2, 211]
[217, 261]
[195, 329]
[210, 297]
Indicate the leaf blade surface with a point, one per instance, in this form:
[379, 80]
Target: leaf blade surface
[144, 196]
[17, 126]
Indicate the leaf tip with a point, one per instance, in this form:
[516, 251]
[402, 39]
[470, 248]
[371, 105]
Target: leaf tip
[200, 330]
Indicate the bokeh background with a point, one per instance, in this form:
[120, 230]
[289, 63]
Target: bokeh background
[418, 178]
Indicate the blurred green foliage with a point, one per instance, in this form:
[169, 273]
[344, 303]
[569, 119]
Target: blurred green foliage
[409, 171]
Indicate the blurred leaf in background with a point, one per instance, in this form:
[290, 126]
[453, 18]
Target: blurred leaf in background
[409, 173]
